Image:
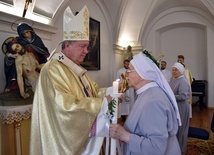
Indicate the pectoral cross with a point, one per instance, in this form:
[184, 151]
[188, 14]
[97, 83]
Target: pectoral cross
[61, 57]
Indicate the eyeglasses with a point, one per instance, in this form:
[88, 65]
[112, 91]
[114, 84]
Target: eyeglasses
[130, 70]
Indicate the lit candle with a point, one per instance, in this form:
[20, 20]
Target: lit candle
[114, 120]
[115, 86]
[115, 93]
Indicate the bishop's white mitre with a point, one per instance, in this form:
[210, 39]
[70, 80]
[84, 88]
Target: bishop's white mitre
[76, 27]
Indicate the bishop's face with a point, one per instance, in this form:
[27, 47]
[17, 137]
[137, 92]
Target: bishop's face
[77, 51]
[17, 48]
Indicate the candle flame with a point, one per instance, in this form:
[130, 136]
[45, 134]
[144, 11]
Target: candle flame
[118, 80]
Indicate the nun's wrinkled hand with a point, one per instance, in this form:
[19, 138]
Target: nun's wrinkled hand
[109, 98]
[116, 131]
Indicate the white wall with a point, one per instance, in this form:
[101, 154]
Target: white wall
[188, 41]
[186, 31]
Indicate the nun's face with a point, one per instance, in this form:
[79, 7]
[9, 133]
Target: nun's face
[175, 72]
[132, 77]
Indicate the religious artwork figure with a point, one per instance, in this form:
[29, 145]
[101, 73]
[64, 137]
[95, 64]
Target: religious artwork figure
[128, 55]
[27, 67]
[32, 43]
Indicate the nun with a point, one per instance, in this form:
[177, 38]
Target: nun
[181, 87]
[153, 122]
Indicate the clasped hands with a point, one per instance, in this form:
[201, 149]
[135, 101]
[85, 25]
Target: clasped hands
[120, 98]
[116, 131]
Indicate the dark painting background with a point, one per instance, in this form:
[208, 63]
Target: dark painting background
[92, 59]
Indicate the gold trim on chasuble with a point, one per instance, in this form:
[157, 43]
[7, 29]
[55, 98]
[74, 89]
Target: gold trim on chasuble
[78, 72]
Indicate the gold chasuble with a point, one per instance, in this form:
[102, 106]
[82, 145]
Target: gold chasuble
[190, 78]
[63, 114]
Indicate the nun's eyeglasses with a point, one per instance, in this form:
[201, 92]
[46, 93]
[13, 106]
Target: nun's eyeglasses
[130, 70]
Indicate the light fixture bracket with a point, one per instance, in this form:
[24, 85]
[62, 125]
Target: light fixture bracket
[26, 7]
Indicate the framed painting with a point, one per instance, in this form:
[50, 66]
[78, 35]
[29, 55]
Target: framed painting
[92, 59]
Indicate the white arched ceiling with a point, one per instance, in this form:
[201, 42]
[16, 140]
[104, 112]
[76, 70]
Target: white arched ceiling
[132, 20]
[176, 15]
[49, 8]
[209, 4]
[135, 14]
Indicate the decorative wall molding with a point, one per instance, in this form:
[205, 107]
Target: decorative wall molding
[209, 4]
[121, 50]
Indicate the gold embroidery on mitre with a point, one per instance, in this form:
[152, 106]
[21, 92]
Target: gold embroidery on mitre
[77, 35]
[86, 22]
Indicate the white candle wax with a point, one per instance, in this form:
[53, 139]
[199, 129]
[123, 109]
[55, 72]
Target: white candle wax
[115, 87]
[113, 146]
[114, 121]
